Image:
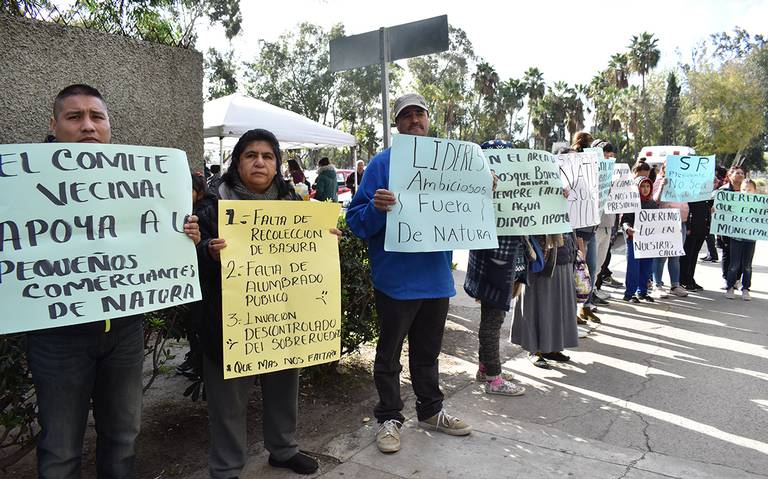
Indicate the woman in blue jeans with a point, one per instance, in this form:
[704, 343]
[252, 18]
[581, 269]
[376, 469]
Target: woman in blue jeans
[638, 270]
[674, 261]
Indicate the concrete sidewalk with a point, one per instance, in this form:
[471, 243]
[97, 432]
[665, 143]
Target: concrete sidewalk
[673, 389]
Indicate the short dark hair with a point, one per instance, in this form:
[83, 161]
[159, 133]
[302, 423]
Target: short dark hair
[215, 169]
[324, 161]
[198, 182]
[257, 134]
[72, 90]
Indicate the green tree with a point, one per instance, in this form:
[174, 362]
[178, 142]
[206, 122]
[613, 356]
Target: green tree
[725, 107]
[644, 55]
[670, 122]
[534, 89]
[618, 70]
[221, 73]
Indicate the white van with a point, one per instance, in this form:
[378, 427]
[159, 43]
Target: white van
[654, 155]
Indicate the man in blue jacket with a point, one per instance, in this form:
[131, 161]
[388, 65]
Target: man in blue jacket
[412, 291]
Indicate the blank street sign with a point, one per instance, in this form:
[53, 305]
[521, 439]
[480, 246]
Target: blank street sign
[405, 41]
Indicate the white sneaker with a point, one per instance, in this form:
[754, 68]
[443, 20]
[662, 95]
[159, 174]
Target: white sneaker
[679, 291]
[601, 294]
[388, 436]
[658, 293]
[583, 332]
[729, 293]
[745, 295]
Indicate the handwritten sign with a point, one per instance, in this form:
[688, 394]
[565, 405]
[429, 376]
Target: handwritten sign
[579, 173]
[689, 178]
[605, 180]
[624, 196]
[740, 215]
[658, 233]
[281, 285]
[529, 193]
[444, 196]
[92, 232]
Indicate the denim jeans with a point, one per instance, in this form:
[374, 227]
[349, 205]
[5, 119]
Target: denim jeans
[70, 370]
[740, 266]
[674, 267]
[423, 322]
[638, 273]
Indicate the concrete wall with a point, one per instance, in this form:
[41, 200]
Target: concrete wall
[153, 92]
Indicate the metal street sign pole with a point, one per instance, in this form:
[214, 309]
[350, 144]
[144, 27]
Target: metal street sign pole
[384, 61]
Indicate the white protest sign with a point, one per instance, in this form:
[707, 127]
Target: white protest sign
[444, 191]
[624, 196]
[658, 233]
[579, 174]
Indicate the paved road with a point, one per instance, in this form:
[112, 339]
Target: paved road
[674, 389]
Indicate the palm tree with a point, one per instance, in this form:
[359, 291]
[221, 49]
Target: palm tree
[512, 93]
[534, 88]
[486, 80]
[618, 68]
[644, 55]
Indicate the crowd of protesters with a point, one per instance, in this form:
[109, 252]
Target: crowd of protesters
[102, 362]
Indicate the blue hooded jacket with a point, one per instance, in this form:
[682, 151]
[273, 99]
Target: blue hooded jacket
[401, 276]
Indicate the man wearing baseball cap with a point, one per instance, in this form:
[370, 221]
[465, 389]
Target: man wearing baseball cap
[412, 291]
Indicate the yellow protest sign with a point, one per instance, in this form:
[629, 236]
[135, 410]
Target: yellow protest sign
[281, 285]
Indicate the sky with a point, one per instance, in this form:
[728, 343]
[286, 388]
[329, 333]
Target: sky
[567, 40]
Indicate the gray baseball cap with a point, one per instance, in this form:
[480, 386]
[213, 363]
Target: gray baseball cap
[409, 99]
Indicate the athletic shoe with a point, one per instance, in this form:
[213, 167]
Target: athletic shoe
[646, 298]
[388, 436]
[729, 293]
[601, 295]
[583, 333]
[745, 295]
[480, 376]
[611, 282]
[659, 292]
[580, 321]
[447, 424]
[631, 299]
[679, 291]
[693, 287]
[502, 387]
[600, 301]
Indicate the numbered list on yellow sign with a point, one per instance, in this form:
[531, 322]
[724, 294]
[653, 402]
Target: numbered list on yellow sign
[281, 285]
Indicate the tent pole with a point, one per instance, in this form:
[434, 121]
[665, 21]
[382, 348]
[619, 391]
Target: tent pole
[221, 151]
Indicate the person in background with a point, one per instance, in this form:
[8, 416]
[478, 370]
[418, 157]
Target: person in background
[604, 235]
[253, 175]
[491, 276]
[97, 363]
[698, 224]
[215, 179]
[354, 179]
[638, 270]
[411, 291]
[543, 320]
[712, 256]
[735, 177]
[742, 251]
[587, 244]
[673, 263]
[327, 187]
[297, 173]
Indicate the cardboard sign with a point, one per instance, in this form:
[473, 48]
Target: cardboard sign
[605, 174]
[529, 193]
[444, 196]
[658, 233]
[281, 285]
[689, 178]
[740, 215]
[624, 196]
[91, 232]
[578, 172]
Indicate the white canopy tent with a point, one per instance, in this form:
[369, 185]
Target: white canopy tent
[233, 115]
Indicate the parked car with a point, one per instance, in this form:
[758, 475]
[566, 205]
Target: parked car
[655, 155]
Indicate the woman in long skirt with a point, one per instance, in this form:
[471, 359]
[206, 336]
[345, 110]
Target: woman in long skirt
[543, 321]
